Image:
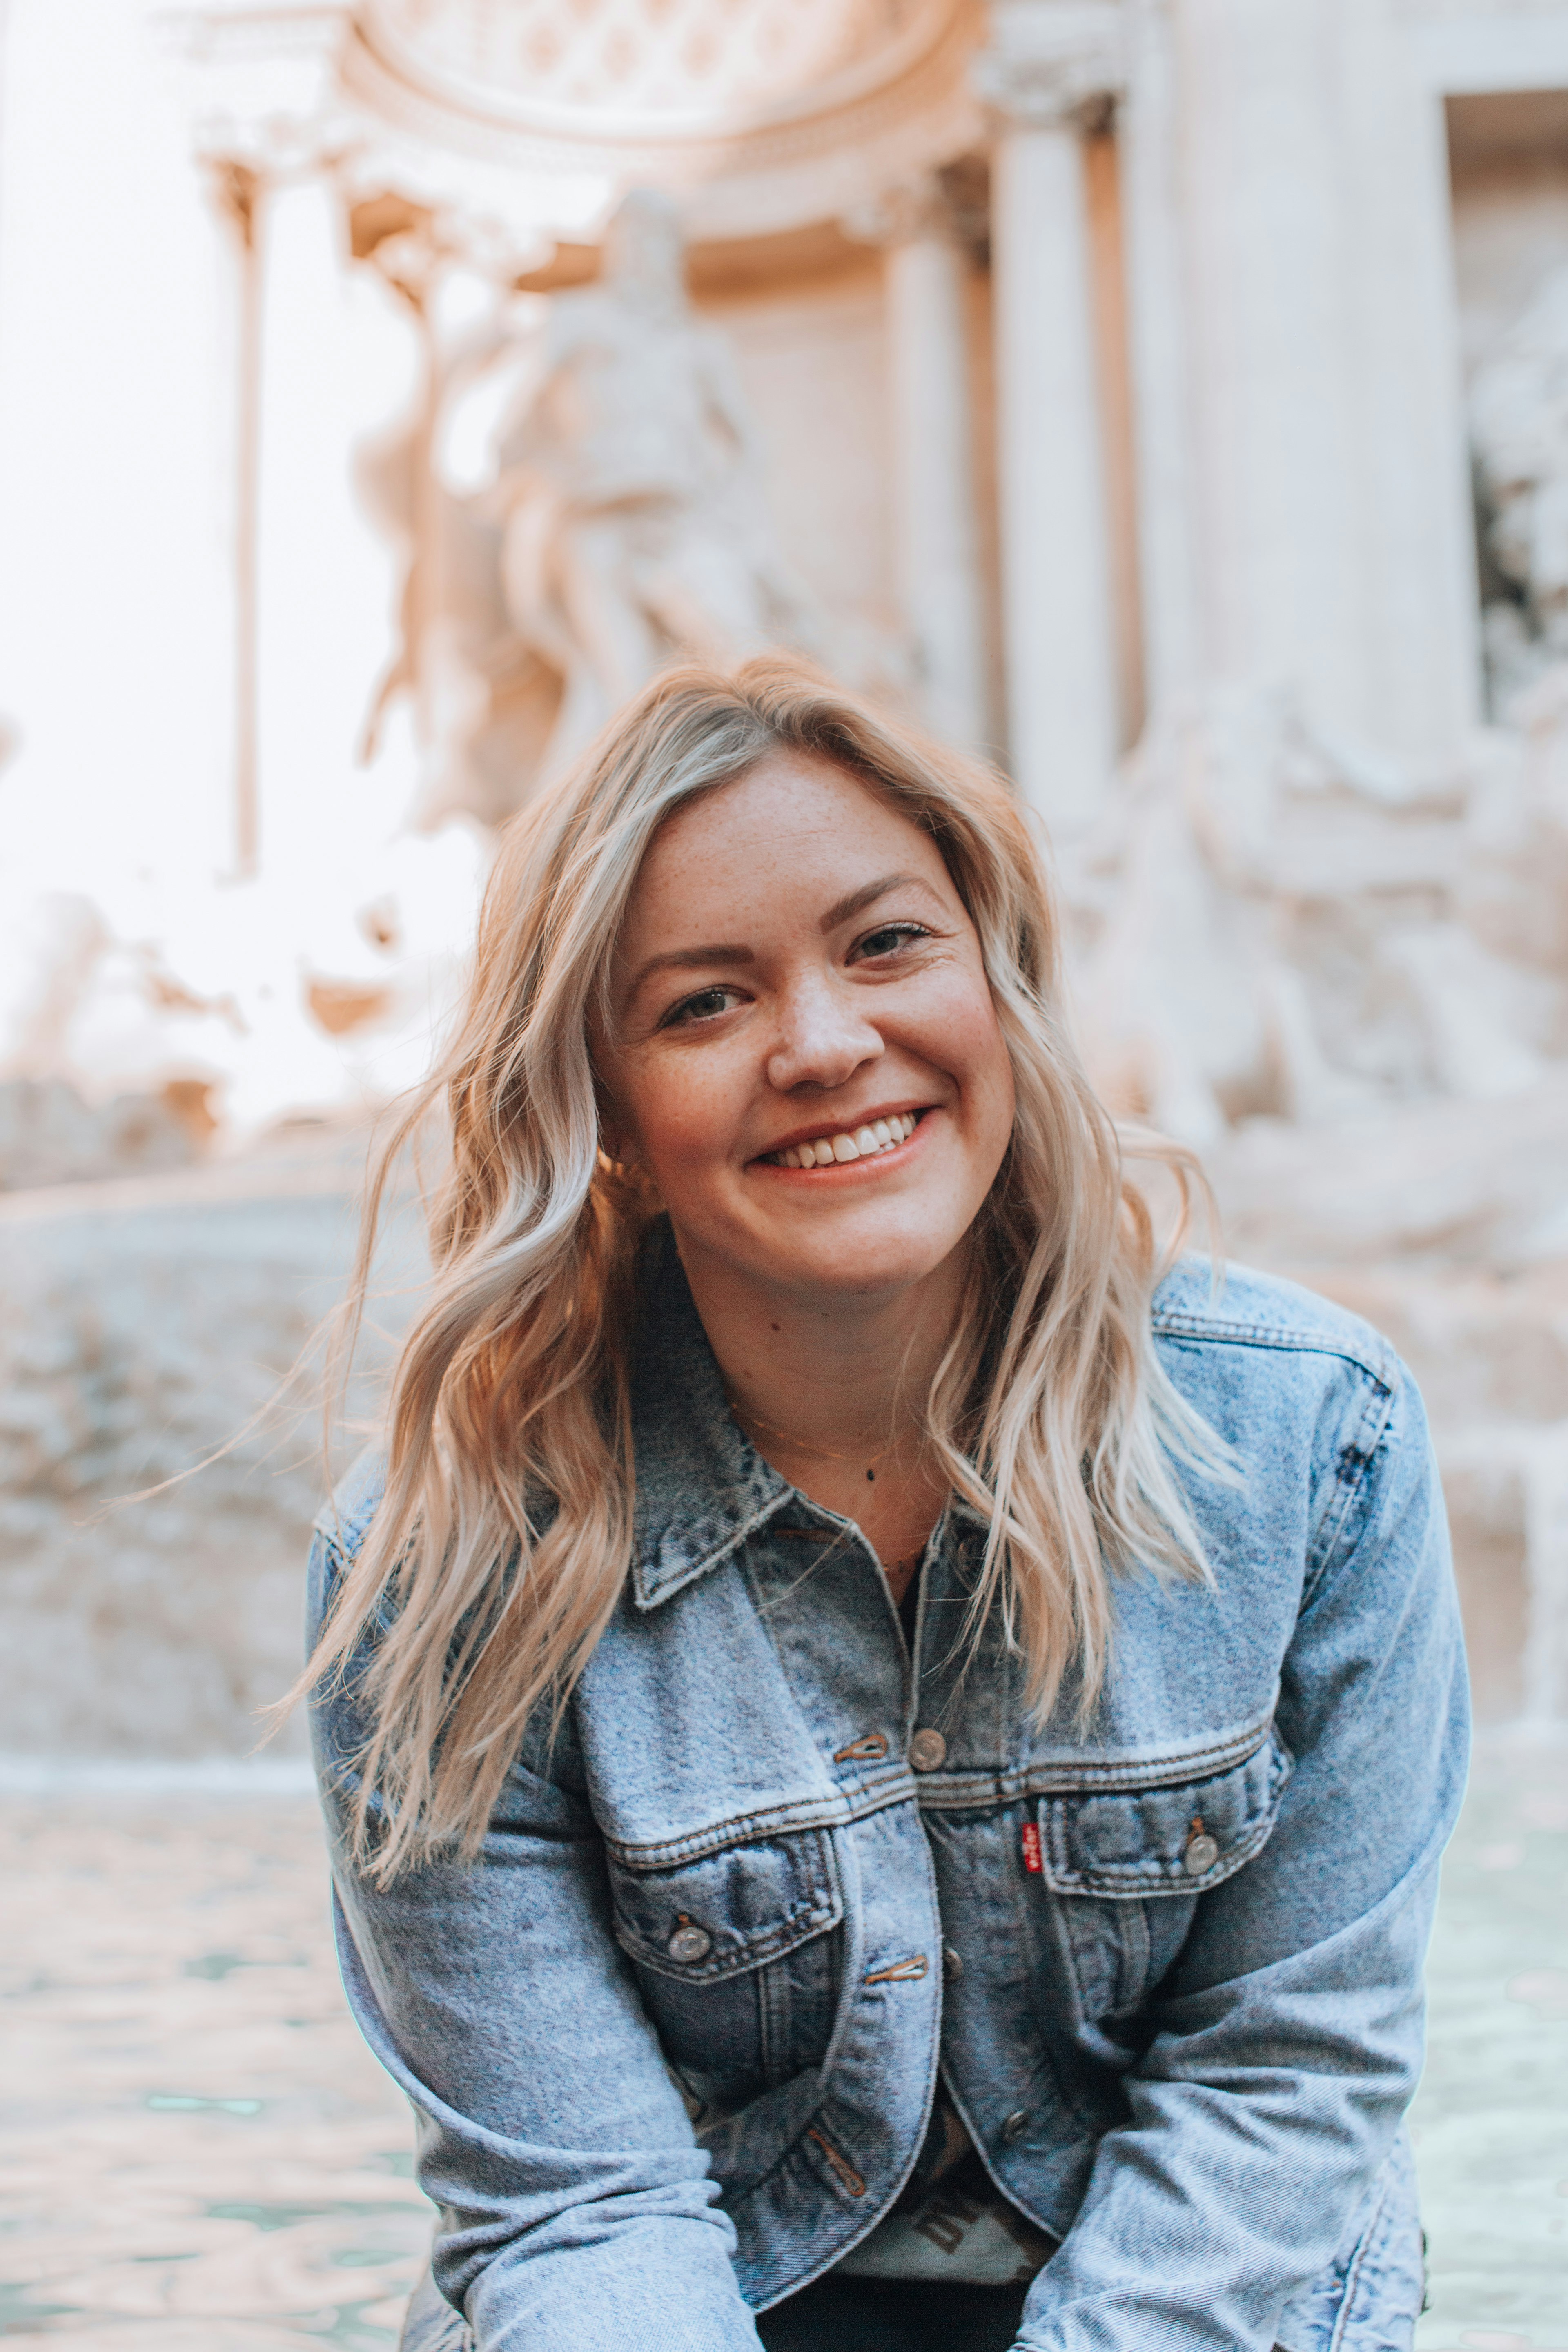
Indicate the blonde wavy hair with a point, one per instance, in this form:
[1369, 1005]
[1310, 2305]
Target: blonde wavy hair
[499, 1550]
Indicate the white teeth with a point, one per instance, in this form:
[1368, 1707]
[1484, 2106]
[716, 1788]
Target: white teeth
[881, 1135]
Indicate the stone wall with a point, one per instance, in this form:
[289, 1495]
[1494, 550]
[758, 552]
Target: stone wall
[146, 1324]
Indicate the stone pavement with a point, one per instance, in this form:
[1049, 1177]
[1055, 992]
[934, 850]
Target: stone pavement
[196, 2154]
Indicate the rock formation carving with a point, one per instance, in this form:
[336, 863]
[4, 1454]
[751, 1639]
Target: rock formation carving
[1279, 924]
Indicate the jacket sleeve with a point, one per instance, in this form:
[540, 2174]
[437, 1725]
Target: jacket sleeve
[576, 2210]
[1284, 2060]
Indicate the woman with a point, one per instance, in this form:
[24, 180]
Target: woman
[887, 1754]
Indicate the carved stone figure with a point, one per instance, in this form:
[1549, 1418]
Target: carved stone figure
[1519, 422]
[1283, 924]
[633, 526]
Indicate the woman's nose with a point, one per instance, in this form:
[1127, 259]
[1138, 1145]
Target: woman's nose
[823, 1036]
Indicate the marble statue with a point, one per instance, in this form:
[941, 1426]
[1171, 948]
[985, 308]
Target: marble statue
[1277, 924]
[1518, 424]
[628, 489]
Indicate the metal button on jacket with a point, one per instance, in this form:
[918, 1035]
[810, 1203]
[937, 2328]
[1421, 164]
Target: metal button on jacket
[951, 1964]
[1016, 2125]
[691, 1944]
[1202, 1854]
[927, 1749]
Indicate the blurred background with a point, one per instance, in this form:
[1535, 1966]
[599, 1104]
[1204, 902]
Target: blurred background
[1166, 398]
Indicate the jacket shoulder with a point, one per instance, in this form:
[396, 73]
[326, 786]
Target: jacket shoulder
[1250, 1309]
[344, 1519]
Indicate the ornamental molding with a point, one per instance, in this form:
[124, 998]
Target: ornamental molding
[811, 156]
[1074, 88]
[386, 89]
[911, 211]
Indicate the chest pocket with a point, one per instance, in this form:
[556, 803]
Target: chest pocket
[738, 1955]
[1131, 1844]
[1129, 1864]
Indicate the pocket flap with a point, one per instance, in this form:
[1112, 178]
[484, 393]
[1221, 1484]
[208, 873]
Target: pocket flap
[1175, 1840]
[729, 1911]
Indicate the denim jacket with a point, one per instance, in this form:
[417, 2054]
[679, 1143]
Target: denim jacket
[673, 2041]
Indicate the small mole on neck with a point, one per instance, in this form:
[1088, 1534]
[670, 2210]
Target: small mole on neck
[871, 1473]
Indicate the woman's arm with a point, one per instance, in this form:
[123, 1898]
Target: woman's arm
[576, 2209]
[1285, 2060]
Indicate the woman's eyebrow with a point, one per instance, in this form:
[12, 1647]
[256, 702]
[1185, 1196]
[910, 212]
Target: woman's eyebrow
[855, 902]
[687, 960]
[842, 911]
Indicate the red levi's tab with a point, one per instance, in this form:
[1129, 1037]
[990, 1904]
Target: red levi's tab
[1032, 1861]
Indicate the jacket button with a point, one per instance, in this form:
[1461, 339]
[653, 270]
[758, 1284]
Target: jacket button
[689, 1945]
[1016, 2125]
[927, 1750]
[951, 1964]
[1202, 1854]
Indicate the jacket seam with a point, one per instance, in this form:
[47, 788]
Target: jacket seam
[1353, 2275]
[976, 1791]
[972, 1792]
[1179, 1325]
[649, 1591]
[1371, 1435]
[837, 1812]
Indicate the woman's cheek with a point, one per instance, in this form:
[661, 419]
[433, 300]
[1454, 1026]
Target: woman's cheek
[684, 1120]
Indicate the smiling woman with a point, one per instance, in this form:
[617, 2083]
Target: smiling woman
[886, 1746]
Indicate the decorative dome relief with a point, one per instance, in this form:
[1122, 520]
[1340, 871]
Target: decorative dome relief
[671, 66]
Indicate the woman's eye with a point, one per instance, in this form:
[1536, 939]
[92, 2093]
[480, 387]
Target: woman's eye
[707, 1005]
[890, 937]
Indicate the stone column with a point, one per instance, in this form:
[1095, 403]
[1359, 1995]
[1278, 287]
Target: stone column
[1052, 487]
[323, 578]
[1149, 144]
[935, 531]
[1334, 540]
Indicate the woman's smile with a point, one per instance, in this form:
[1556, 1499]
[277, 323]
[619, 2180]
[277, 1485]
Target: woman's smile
[879, 1135]
[805, 1057]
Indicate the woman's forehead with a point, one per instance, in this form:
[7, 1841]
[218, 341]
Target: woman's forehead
[791, 824]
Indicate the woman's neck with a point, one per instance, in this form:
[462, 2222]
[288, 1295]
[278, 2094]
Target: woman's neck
[833, 1392]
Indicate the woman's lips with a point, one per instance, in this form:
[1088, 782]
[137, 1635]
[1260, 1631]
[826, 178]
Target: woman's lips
[869, 1141]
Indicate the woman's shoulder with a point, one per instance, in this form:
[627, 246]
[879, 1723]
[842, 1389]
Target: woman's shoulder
[1205, 1306]
[344, 1520]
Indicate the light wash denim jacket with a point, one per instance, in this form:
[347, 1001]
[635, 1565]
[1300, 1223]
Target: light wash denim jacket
[673, 2041]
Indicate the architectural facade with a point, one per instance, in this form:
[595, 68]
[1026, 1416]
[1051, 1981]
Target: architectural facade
[1162, 397]
[1085, 356]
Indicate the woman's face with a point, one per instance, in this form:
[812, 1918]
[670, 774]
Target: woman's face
[805, 1055]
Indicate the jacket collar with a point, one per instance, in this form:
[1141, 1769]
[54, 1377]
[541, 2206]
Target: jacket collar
[701, 1490]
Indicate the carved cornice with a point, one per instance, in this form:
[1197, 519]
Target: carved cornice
[899, 214]
[1076, 87]
[388, 105]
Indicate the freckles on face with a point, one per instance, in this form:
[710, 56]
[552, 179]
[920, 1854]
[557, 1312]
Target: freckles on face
[804, 1053]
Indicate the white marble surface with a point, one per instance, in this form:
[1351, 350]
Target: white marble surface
[198, 2155]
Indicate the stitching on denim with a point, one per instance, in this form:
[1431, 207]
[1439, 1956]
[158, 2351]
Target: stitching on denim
[1175, 1324]
[824, 1910]
[978, 1791]
[1095, 1882]
[874, 1795]
[646, 1580]
[1371, 1435]
[1353, 2275]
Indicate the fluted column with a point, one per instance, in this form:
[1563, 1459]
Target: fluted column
[322, 576]
[935, 528]
[1051, 484]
